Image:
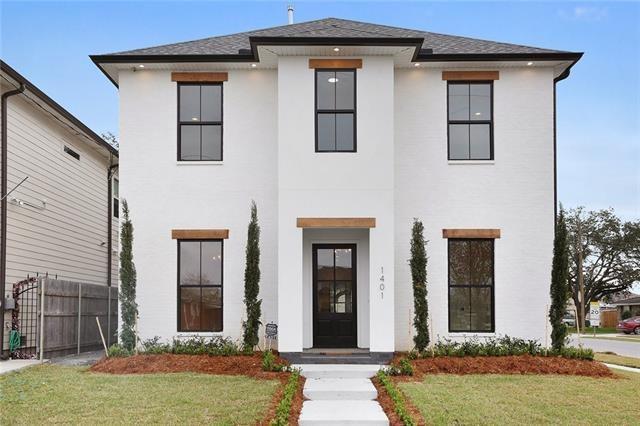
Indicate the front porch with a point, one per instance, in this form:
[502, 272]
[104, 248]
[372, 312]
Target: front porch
[335, 297]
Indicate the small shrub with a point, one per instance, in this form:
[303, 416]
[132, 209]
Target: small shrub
[268, 361]
[154, 346]
[500, 346]
[200, 346]
[118, 351]
[397, 398]
[575, 353]
[284, 406]
[626, 315]
[403, 368]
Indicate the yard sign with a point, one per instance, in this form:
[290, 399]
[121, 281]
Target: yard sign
[594, 314]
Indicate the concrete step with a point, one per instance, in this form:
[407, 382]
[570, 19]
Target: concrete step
[340, 389]
[338, 371]
[343, 412]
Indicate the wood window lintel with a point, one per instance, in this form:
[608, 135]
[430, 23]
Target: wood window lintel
[470, 75]
[471, 233]
[199, 234]
[199, 77]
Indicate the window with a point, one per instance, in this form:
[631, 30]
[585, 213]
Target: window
[200, 122]
[200, 285]
[470, 121]
[115, 191]
[471, 285]
[335, 110]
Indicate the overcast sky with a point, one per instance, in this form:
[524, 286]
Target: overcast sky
[598, 106]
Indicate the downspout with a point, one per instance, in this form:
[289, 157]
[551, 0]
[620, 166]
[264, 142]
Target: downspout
[3, 208]
[110, 173]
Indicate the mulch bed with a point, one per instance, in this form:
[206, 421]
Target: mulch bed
[522, 364]
[242, 365]
[389, 408]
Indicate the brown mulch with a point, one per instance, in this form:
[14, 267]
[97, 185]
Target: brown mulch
[521, 364]
[389, 408]
[243, 365]
[296, 404]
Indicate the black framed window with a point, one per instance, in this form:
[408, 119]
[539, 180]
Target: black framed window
[115, 190]
[200, 122]
[200, 285]
[335, 110]
[471, 285]
[470, 120]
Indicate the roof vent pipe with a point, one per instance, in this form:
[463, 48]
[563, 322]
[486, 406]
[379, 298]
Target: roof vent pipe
[290, 13]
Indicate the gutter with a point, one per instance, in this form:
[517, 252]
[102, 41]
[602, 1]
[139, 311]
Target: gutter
[32, 88]
[3, 208]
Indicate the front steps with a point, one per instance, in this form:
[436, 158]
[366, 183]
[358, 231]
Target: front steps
[341, 389]
[335, 356]
[340, 395]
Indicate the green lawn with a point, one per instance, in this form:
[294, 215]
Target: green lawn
[529, 399]
[599, 330]
[609, 358]
[72, 395]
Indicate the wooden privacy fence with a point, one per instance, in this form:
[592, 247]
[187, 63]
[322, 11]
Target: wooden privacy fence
[70, 309]
[608, 318]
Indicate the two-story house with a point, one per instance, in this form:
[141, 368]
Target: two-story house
[59, 218]
[342, 132]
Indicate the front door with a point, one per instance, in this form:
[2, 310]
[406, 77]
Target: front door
[334, 296]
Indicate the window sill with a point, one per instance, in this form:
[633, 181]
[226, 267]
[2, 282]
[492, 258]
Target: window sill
[472, 334]
[472, 162]
[199, 163]
[186, 334]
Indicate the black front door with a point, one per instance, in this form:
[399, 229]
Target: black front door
[334, 296]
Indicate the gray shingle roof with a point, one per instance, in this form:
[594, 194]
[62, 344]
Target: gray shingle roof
[338, 28]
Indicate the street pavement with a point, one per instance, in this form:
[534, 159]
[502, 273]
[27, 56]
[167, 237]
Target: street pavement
[600, 344]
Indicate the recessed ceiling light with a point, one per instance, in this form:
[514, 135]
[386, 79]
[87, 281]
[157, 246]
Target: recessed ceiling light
[478, 113]
[529, 64]
[194, 118]
[332, 80]
[417, 64]
[140, 66]
[254, 65]
[336, 49]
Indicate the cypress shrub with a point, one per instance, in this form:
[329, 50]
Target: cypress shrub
[128, 305]
[252, 282]
[418, 265]
[559, 289]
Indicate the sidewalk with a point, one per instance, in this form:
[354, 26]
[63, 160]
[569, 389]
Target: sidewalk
[16, 364]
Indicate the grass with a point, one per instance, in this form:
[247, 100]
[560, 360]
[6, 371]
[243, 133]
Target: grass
[72, 395]
[599, 330]
[526, 399]
[624, 338]
[627, 361]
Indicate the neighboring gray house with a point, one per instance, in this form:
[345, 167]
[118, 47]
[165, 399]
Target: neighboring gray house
[57, 221]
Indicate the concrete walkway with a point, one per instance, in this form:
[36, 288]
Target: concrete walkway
[340, 394]
[16, 364]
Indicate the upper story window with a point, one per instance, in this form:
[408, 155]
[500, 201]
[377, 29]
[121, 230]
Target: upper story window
[335, 110]
[471, 285]
[116, 197]
[470, 121]
[200, 122]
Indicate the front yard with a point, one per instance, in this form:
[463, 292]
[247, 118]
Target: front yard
[72, 395]
[525, 399]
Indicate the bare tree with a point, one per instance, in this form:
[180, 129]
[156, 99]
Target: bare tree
[111, 139]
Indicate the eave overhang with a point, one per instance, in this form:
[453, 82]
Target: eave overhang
[252, 55]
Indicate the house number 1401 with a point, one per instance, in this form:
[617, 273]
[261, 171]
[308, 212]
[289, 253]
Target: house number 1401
[382, 282]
